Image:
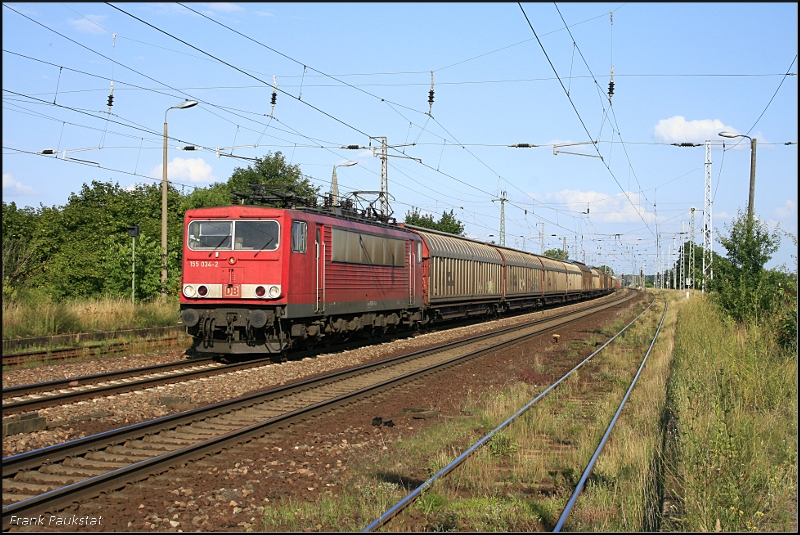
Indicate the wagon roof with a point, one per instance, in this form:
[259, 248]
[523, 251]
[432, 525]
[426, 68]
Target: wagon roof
[452, 247]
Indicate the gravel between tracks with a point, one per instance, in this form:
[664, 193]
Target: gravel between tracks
[84, 418]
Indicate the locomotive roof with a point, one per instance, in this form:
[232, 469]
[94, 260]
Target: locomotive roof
[250, 210]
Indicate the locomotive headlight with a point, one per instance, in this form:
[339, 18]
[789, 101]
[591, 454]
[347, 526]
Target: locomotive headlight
[231, 260]
[202, 291]
[260, 291]
[274, 291]
[189, 290]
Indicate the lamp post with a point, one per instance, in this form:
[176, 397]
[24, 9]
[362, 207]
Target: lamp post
[752, 170]
[181, 106]
[335, 182]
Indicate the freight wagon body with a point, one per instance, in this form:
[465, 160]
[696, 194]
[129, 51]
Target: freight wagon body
[460, 277]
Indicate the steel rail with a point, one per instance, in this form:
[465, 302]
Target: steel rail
[97, 390]
[402, 504]
[66, 495]
[588, 471]
[21, 390]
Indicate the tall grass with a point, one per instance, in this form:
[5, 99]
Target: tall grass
[734, 392]
[43, 316]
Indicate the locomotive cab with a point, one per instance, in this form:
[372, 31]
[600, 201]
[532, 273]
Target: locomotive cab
[233, 276]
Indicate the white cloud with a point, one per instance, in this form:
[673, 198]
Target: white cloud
[12, 187]
[678, 130]
[190, 169]
[223, 7]
[89, 24]
[789, 209]
[603, 207]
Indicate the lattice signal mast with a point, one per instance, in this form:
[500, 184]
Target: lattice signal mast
[502, 200]
[691, 248]
[708, 227]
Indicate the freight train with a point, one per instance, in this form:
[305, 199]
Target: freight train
[259, 279]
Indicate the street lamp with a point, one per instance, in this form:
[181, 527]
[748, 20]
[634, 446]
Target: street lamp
[183, 105]
[335, 182]
[752, 169]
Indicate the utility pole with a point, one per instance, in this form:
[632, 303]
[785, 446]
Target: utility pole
[384, 177]
[691, 249]
[564, 246]
[384, 156]
[682, 284]
[674, 251]
[708, 224]
[133, 232]
[503, 200]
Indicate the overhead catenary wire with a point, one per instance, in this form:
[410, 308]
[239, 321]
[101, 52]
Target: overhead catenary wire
[578, 113]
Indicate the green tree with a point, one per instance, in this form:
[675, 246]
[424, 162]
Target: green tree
[271, 170]
[447, 223]
[20, 254]
[743, 287]
[605, 269]
[558, 254]
[117, 267]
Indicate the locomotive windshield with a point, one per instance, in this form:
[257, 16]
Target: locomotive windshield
[236, 235]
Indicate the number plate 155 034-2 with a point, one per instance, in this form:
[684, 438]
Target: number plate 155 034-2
[232, 290]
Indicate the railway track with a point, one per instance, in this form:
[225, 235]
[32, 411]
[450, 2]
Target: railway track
[28, 357]
[51, 478]
[39, 395]
[36, 396]
[460, 459]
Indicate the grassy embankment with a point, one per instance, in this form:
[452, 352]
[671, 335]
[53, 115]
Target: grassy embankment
[732, 397]
[45, 317]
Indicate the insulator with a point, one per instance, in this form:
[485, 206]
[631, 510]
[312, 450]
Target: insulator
[430, 96]
[274, 98]
[110, 100]
[611, 89]
[353, 147]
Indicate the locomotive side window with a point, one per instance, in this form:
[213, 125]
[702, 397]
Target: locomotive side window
[205, 235]
[257, 235]
[299, 230]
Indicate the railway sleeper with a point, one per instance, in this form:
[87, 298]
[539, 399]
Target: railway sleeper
[26, 487]
[92, 464]
[42, 478]
[66, 470]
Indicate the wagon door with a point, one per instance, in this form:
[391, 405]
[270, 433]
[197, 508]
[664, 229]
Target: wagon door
[319, 248]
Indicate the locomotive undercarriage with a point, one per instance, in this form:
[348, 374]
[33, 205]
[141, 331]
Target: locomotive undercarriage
[233, 331]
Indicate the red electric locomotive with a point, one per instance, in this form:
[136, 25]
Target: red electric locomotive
[255, 277]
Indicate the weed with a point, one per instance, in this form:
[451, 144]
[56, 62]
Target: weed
[429, 502]
[501, 445]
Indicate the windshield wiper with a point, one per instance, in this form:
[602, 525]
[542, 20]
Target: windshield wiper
[271, 239]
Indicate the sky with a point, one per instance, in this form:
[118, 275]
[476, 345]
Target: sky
[603, 174]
